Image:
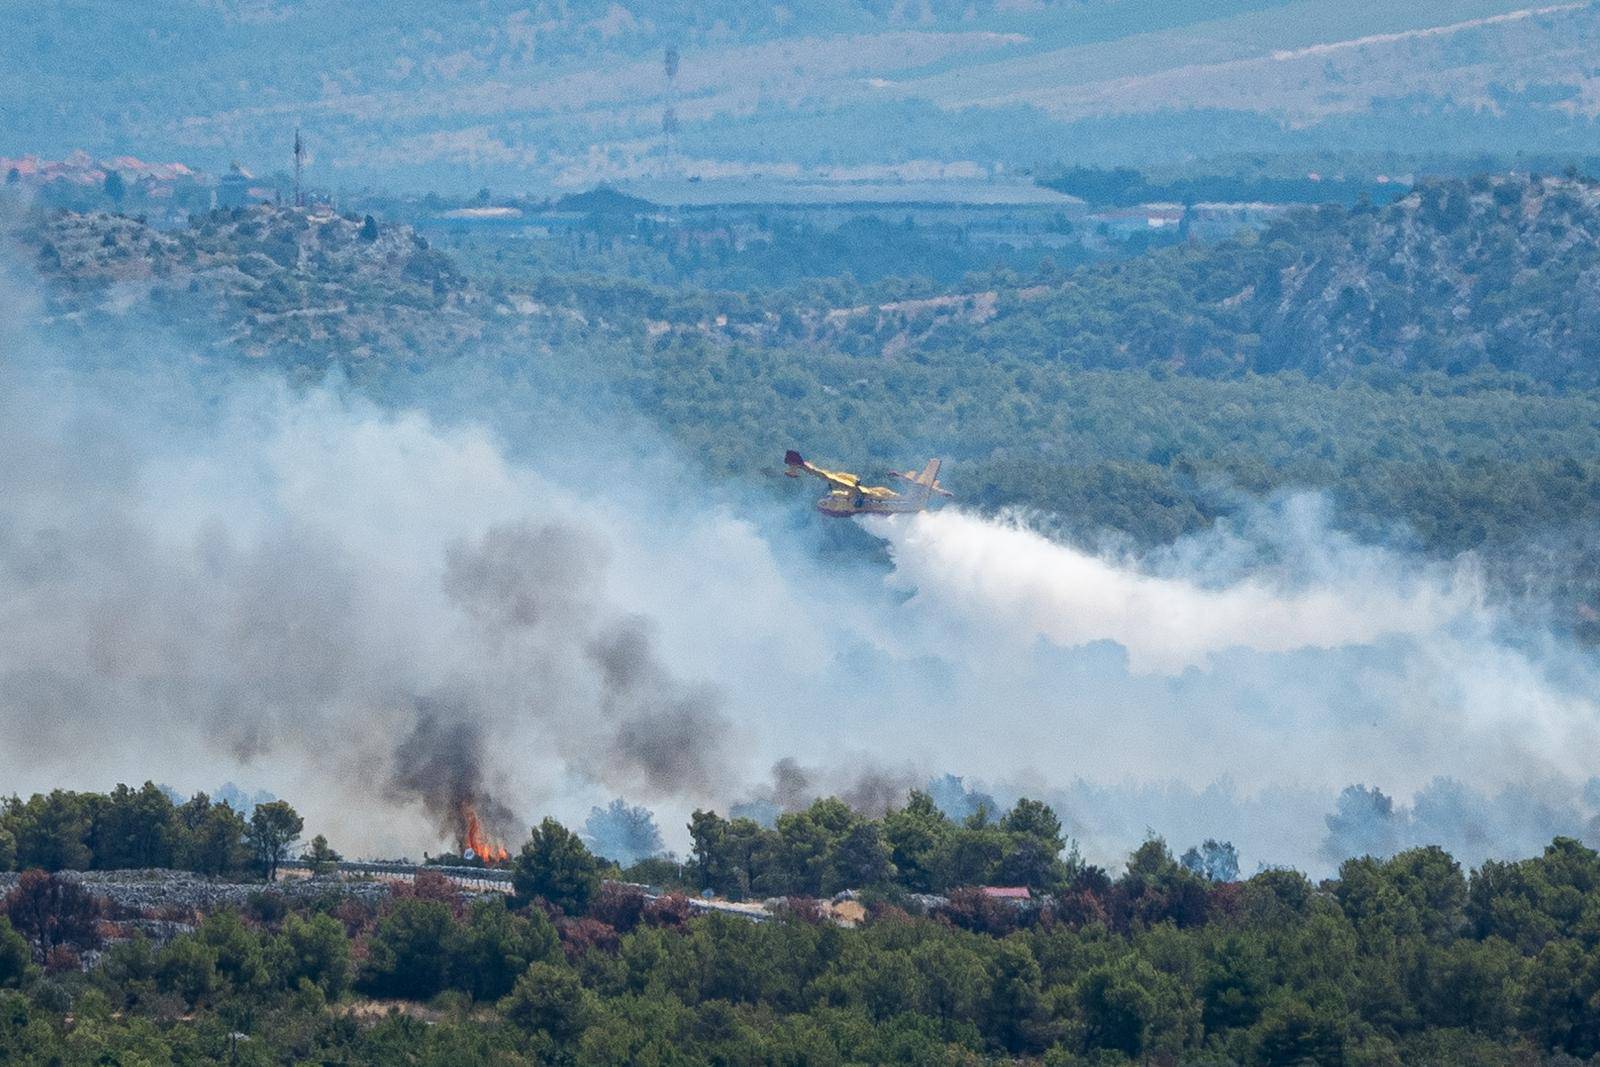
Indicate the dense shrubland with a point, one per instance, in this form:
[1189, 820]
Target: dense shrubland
[1458, 276]
[1429, 363]
[144, 827]
[1405, 959]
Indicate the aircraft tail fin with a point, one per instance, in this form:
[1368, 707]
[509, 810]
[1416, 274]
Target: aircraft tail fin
[928, 480]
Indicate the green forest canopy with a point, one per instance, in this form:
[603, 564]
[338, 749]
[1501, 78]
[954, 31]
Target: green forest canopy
[1407, 959]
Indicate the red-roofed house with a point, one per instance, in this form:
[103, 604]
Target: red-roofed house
[1006, 892]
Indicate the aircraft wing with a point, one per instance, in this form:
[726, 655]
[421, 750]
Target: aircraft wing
[840, 479]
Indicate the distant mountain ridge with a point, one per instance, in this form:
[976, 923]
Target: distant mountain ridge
[295, 284]
[547, 94]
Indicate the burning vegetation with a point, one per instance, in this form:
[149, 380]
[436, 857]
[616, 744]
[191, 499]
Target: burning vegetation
[475, 842]
[440, 763]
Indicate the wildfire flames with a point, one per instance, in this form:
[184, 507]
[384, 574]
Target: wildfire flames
[473, 837]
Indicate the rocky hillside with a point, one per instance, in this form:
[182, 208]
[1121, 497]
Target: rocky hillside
[1493, 273]
[303, 283]
[1456, 276]
[1499, 272]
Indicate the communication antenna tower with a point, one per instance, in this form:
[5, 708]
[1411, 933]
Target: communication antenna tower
[299, 160]
[669, 117]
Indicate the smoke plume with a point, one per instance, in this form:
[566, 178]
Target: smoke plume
[383, 613]
[374, 614]
[441, 762]
[1272, 656]
[1168, 622]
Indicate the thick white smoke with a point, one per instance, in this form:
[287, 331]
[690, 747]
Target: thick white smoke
[1002, 572]
[1271, 655]
[346, 604]
[374, 615]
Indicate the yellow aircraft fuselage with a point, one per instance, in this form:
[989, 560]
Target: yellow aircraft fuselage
[848, 497]
[843, 504]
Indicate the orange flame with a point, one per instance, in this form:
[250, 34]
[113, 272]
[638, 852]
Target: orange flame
[473, 837]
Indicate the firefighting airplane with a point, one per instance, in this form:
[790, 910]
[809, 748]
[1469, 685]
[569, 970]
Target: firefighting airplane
[849, 497]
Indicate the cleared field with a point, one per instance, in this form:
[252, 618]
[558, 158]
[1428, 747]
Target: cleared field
[1305, 57]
